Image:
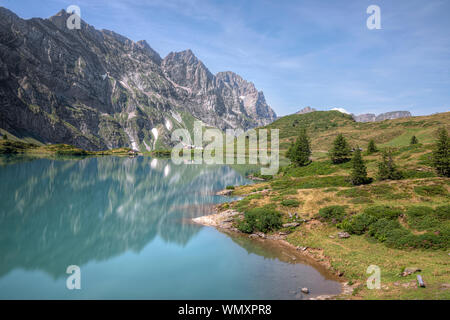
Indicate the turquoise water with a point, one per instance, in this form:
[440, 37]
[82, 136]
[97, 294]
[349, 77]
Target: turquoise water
[126, 223]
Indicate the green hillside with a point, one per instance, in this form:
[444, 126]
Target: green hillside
[393, 224]
[323, 127]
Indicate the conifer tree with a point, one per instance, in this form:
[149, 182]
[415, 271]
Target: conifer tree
[441, 154]
[371, 147]
[289, 150]
[340, 152]
[387, 168]
[300, 151]
[414, 140]
[359, 172]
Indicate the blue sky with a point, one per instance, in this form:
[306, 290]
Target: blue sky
[300, 53]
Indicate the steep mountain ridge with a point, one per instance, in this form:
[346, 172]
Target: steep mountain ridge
[96, 89]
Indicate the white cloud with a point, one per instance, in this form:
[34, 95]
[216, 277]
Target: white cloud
[341, 110]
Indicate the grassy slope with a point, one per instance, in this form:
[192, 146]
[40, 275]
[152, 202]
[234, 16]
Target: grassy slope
[323, 126]
[322, 184]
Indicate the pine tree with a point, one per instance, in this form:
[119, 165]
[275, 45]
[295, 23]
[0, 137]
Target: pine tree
[371, 148]
[5, 137]
[340, 152]
[301, 150]
[414, 140]
[441, 154]
[387, 168]
[290, 150]
[359, 171]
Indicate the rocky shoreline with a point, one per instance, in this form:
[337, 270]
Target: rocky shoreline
[223, 221]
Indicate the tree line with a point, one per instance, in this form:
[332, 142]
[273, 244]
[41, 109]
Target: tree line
[299, 153]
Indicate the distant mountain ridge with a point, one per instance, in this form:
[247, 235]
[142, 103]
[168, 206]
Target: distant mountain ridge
[370, 117]
[96, 89]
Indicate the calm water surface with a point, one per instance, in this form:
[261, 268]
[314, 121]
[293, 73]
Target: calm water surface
[126, 223]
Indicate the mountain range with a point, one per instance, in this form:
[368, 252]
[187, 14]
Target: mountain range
[96, 89]
[368, 117]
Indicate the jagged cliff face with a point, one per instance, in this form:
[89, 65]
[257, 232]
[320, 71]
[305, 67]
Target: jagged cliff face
[224, 100]
[96, 89]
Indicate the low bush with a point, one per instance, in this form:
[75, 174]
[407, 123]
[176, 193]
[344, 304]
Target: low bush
[310, 182]
[333, 214]
[313, 169]
[242, 205]
[358, 224]
[381, 223]
[431, 191]
[260, 219]
[425, 218]
[290, 203]
[254, 196]
[383, 212]
[382, 229]
[361, 200]
[381, 189]
[353, 193]
[443, 212]
[414, 174]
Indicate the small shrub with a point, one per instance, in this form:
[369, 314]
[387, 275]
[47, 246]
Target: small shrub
[254, 196]
[443, 212]
[383, 212]
[422, 218]
[361, 200]
[230, 187]
[380, 190]
[358, 224]
[290, 203]
[353, 193]
[431, 191]
[382, 229]
[242, 205]
[333, 214]
[260, 219]
[312, 169]
[414, 174]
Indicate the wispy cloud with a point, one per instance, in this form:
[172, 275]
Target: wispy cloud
[308, 52]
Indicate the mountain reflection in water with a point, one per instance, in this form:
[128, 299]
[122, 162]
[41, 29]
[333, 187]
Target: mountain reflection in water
[99, 207]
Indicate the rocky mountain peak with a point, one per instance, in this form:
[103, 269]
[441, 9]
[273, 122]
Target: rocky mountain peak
[142, 44]
[306, 110]
[97, 89]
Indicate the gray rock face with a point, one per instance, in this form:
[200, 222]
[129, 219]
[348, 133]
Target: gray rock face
[370, 117]
[96, 89]
[224, 100]
[366, 117]
[393, 115]
[306, 110]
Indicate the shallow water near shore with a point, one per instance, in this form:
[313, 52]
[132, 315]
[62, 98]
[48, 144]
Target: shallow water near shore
[126, 223]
